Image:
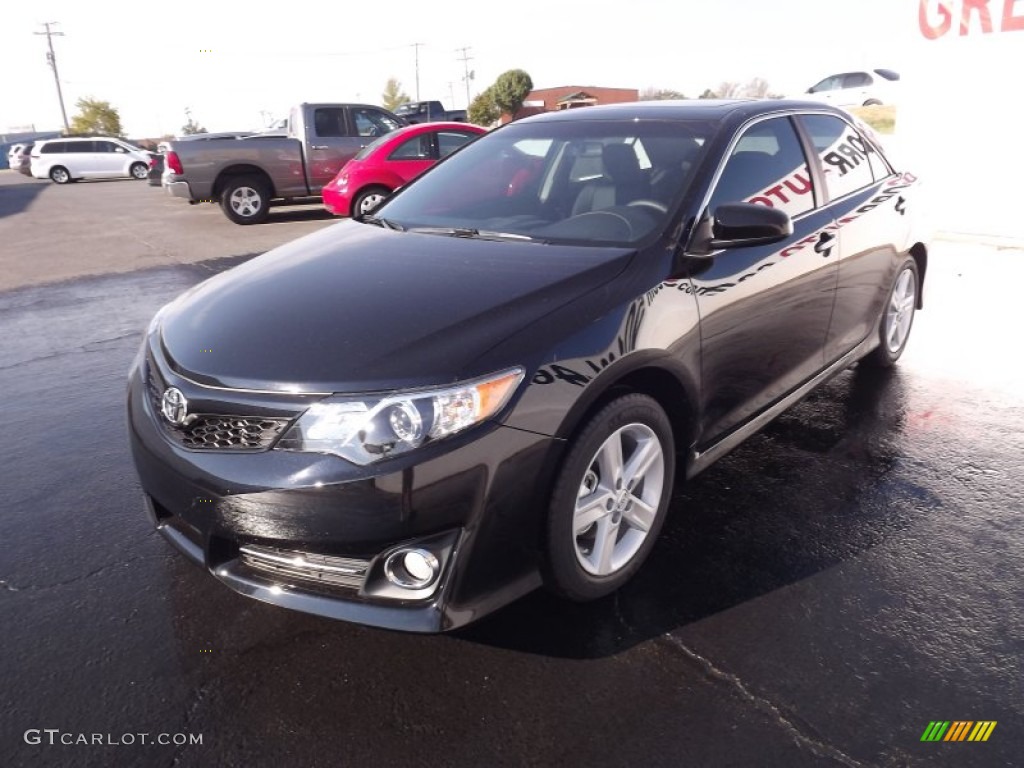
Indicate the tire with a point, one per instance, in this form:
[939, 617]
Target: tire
[897, 316]
[368, 199]
[580, 563]
[139, 171]
[246, 200]
[872, 103]
[59, 175]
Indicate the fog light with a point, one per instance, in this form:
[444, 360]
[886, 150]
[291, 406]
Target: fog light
[412, 568]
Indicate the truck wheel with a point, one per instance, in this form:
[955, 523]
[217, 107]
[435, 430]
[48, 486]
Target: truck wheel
[246, 200]
[368, 199]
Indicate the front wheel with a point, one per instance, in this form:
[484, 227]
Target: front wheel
[139, 171]
[897, 317]
[246, 200]
[610, 499]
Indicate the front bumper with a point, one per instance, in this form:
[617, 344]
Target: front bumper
[478, 503]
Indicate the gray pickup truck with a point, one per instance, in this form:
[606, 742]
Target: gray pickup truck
[245, 175]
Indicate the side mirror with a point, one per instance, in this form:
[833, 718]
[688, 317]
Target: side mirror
[738, 225]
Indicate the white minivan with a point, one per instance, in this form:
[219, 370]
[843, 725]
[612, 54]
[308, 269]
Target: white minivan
[99, 157]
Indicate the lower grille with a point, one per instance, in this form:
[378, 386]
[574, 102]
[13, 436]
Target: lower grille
[321, 569]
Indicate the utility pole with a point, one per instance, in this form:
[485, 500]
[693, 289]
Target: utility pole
[465, 59]
[417, 47]
[52, 60]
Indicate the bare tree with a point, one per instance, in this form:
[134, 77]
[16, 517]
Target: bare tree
[729, 89]
[757, 88]
[659, 94]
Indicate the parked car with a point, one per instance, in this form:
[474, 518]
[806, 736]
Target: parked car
[23, 160]
[71, 159]
[429, 112]
[856, 89]
[379, 168]
[493, 381]
[246, 175]
[14, 155]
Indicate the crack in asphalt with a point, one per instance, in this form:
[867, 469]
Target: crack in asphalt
[819, 748]
[97, 345]
[95, 572]
[198, 697]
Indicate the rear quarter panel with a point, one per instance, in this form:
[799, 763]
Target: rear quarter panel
[204, 161]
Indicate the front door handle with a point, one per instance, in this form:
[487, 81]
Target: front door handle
[824, 244]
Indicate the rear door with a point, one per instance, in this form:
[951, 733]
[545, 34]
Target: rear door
[764, 310]
[79, 159]
[868, 203]
[329, 142]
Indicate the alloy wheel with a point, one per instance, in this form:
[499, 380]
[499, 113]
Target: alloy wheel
[618, 499]
[246, 201]
[900, 312]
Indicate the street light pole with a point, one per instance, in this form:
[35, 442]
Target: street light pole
[51, 58]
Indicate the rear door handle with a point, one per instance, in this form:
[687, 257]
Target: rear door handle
[824, 244]
[318, 146]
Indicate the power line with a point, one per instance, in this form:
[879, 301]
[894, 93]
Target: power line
[51, 58]
[465, 59]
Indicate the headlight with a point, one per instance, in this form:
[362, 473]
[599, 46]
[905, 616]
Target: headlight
[365, 430]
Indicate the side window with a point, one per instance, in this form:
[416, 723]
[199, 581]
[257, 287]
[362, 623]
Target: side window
[104, 146]
[844, 154]
[856, 80]
[416, 148]
[52, 147]
[449, 141]
[329, 122]
[82, 146]
[372, 122]
[767, 166]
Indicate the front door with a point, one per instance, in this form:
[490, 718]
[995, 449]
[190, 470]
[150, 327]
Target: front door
[764, 310]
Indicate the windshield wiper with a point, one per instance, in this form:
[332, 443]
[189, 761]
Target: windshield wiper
[474, 234]
[380, 221]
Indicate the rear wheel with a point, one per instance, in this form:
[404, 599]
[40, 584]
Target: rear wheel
[610, 499]
[872, 103]
[897, 317]
[139, 170]
[59, 175]
[368, 199]
[246, 200]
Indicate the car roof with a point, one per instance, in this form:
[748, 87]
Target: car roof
[708, 109]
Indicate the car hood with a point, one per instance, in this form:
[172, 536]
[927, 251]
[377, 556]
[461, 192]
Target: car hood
[357, 308]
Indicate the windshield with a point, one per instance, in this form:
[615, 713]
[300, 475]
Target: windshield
[590, 182]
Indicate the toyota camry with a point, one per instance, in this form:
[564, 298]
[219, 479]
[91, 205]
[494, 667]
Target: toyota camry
[495, 381]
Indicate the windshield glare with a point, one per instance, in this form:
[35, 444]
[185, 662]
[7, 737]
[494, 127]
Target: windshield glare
[591, 182]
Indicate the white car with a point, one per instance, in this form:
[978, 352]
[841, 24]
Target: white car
[14, 155]
[856, 89]
[98, 157]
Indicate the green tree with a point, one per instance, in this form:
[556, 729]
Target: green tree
[660, 94]
[483, 110]
[393, 94]
[191, 128]
[510, 91]
[96, 117]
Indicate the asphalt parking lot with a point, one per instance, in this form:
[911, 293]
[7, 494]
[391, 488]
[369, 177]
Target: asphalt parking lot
[818, 597]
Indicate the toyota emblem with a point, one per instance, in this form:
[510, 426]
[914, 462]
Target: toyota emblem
[174, 406]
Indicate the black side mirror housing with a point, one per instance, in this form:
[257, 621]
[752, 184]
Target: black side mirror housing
[739, 225]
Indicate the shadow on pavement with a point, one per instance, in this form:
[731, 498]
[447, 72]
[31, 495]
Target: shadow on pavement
[803, 496]
[18, 195]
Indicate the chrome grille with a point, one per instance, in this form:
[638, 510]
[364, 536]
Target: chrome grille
[215, 431]
[322, 569]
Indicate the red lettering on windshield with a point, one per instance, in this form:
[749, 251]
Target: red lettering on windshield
[980, 8]
[929, 30]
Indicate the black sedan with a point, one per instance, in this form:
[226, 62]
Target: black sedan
[494, 381]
